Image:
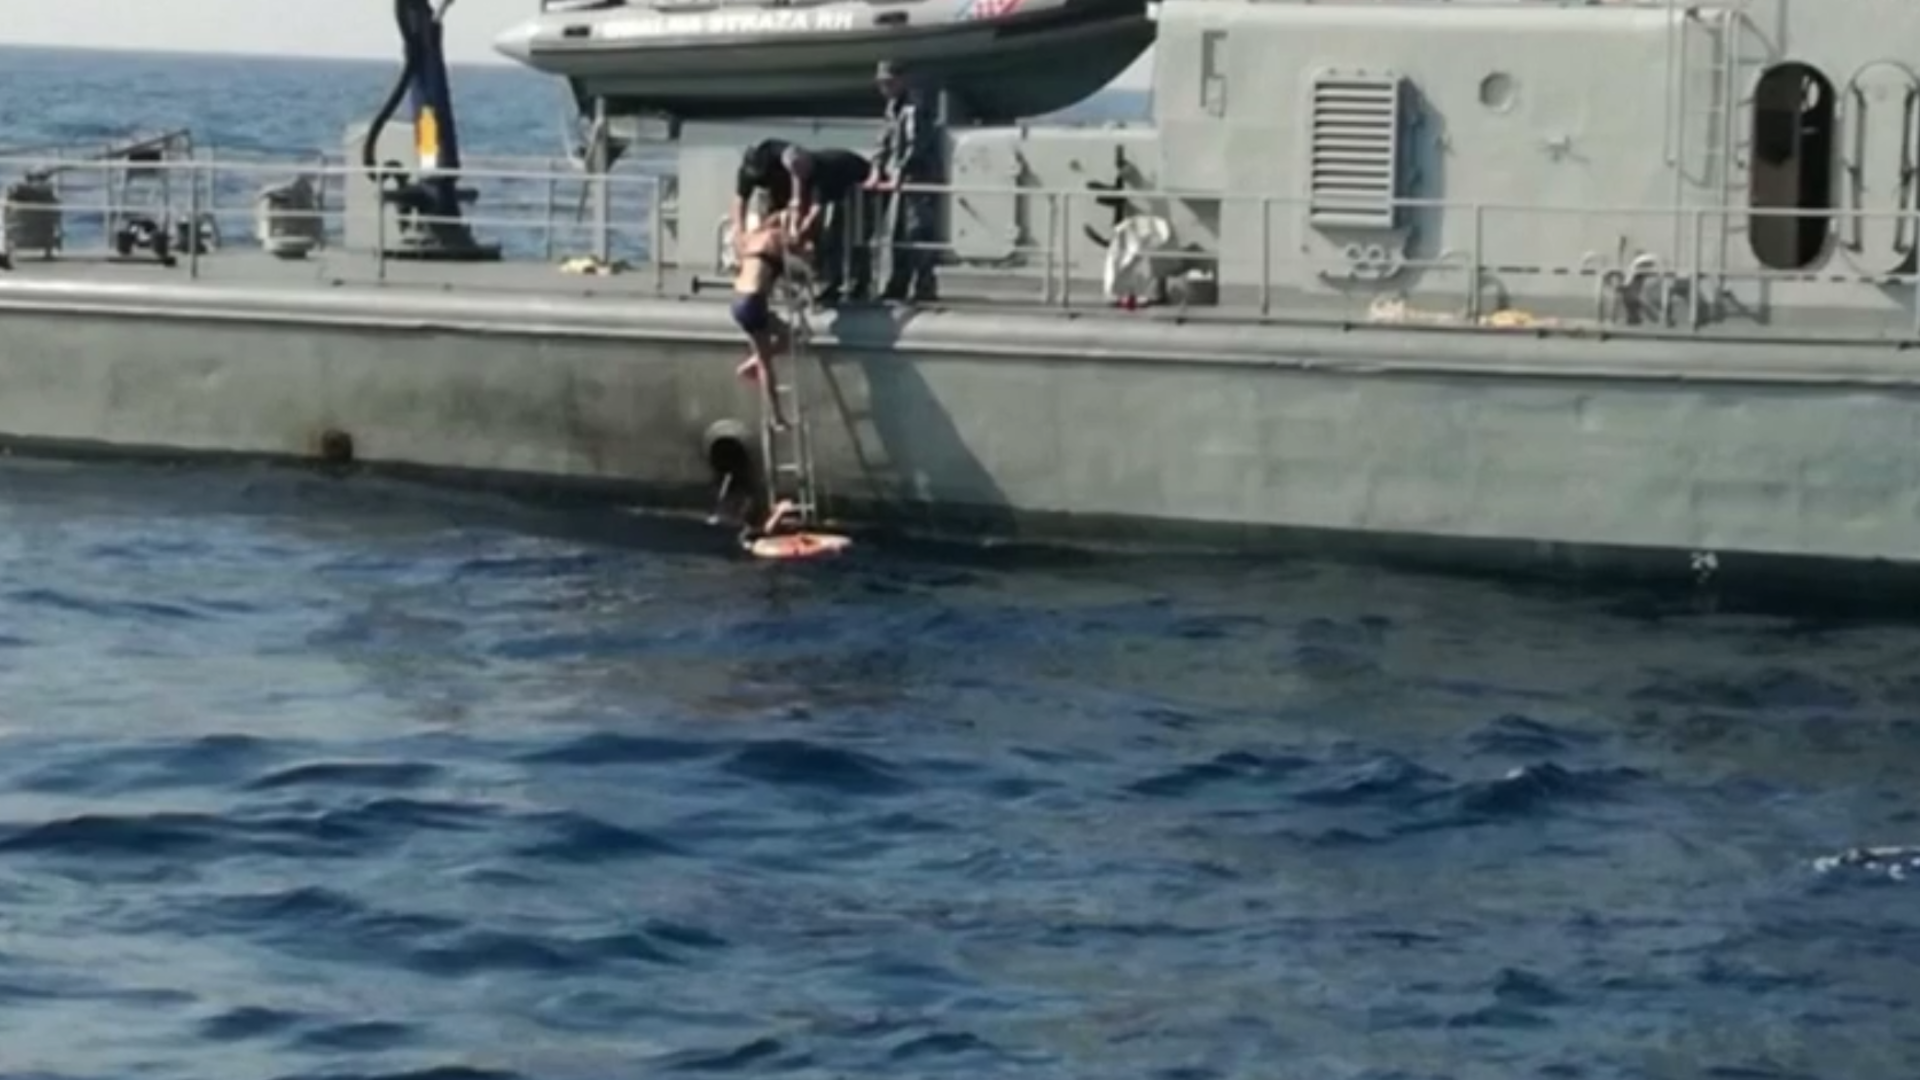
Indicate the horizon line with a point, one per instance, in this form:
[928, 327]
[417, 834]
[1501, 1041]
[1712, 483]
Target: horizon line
[244, 54]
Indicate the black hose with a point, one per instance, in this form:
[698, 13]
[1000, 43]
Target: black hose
[399, 91]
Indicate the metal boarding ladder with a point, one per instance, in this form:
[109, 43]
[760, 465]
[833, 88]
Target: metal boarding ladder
[787, 452]
[1718, 81]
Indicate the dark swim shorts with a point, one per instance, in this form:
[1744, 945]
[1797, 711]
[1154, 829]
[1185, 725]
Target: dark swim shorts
[751, 313]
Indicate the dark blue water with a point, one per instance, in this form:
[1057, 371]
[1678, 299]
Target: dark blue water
[308, 778]
[302, 778]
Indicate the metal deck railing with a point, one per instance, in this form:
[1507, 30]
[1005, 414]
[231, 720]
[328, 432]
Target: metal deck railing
[1470, 264]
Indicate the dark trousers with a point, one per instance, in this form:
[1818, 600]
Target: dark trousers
[843, 252]
[915, 230]
[834, 255]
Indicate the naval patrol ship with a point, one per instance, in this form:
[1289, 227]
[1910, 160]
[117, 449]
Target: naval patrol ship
[1509, 283]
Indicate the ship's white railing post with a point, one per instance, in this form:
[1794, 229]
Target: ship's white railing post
[1048, 248]
[193, 216]
[602, 220]
[553, 208]
[1066, 252]
[1478, 259]
[1914, 289]
[656, 227]
[1913, 298]
[1698, 276]
[602, 194]
[320, 204]
[380, 231]
[1266, 256]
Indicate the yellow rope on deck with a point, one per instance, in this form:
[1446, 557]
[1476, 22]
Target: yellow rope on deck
[587, 264]
[1392, 309]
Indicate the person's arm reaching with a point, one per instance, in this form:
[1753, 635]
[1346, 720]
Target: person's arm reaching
[737, 216]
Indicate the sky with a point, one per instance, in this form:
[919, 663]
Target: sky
[334, 28]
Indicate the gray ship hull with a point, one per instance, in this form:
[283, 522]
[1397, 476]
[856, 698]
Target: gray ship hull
[1476, 449]
[1375, 292]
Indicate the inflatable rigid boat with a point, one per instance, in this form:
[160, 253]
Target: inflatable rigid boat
[1000, 60]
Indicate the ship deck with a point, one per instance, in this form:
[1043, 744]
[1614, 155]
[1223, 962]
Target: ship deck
[546, 214]
[532, 285]
[517, 278]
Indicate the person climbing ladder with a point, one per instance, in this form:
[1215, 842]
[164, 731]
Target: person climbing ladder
[786, 437]
[769, 254]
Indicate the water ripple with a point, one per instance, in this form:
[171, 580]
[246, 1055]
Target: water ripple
[307, 779]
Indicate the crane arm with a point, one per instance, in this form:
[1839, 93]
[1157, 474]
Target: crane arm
[424, 84]
[429, 200]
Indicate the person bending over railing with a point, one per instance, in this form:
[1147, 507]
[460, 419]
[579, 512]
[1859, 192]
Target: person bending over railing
[831, 180]
[772, 166]
[765, 252]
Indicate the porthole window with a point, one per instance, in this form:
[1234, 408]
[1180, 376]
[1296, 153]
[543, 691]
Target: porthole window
[1791, 167]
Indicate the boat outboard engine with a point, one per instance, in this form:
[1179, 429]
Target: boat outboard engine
[428, 202]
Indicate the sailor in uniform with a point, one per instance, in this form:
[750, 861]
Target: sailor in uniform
[909, 154]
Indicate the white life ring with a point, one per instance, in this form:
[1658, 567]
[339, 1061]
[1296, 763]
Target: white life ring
[1131, 267]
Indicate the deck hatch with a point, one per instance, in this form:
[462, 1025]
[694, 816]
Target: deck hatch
[1355, 156]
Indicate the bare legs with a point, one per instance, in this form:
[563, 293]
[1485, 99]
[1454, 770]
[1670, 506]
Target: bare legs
[758, 366]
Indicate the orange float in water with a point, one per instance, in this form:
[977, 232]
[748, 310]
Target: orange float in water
[799, 545]
[793, 546]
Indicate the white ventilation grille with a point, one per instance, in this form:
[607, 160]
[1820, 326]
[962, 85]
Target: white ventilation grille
[1355, 164]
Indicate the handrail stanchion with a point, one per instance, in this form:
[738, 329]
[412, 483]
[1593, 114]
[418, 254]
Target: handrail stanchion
[1915, 288]
[602, 216]
[1694, 312]
[1266, 256]
[1047, 245]
[322, 194]
[1476, 274]
[656, 230]
[553, 207]
[213, 189]
[193, 222]
[380, 234]
[1066, 251]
